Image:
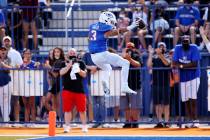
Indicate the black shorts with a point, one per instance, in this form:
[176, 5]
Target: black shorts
[55, 89]
[161, 95]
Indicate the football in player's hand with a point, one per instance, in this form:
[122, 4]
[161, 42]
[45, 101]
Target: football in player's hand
[142, 25]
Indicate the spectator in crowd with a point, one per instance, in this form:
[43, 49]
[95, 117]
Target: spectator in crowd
[2, 26]
[205, 38]
[176, 106]
[206, 30]
[97, 101]
[137, 1]
[132, 103]
[16, 61]
[159, 25]
[14, 26]
[160, 83]
[72, 73]
[45, 11]
[139, 13]
[112, 102]
[5, 89]
[54, 89]
[44, 105]
[91, 69]
[122, 22]
[187, 56]
[187, 21]
[29, 100]
[29, 15]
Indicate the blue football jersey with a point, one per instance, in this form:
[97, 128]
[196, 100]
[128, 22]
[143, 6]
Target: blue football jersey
[97, 41]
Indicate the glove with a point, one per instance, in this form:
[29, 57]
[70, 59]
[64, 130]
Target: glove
[141, 24]
[133, 26]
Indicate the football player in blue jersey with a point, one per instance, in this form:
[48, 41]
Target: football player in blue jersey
[98, 35]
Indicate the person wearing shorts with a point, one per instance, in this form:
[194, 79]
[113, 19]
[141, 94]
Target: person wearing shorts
[29, 12]
[73, 95]
[132, 104]
[160, 82]
[186, 58]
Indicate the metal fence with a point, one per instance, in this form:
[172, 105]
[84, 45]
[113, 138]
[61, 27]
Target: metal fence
[32, 86]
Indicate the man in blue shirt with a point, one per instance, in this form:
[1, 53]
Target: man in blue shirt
[187, 20]
[186, 58]
[2, 26]
[98, 35]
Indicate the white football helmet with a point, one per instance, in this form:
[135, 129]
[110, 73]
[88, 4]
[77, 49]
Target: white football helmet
[108, 18]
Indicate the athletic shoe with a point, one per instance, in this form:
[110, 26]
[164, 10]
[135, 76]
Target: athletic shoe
[195, 124]
[97, 125]
[126, 89]
[16, 125]
[135, 125]
[66, 128]
[167, 125]
[159, 125]
[84, 128]
[105, 88]
[127, 125]
[188, 125]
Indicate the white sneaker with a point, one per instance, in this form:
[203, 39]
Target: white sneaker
[84, 128]
[106, 125]
[195, 124]
[66, 128]
[188, 125]
[126, 89]
[16, 125]
[105, 88]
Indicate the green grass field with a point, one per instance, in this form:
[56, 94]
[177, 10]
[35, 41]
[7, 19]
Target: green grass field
[14, 137]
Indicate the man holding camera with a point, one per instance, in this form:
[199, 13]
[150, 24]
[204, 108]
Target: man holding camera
[160, 63]
[132, 103]
[73, 93]
[186, 58]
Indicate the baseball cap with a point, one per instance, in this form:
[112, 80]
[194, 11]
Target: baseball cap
[130, 45]
[7, 37]
[161, 44]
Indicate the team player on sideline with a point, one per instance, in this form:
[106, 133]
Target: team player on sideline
[98, 35]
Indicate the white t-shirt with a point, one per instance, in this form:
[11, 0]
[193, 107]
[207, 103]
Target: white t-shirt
[15, 57]
[160, 23]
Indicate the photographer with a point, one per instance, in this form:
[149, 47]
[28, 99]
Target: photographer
[73, 94]
[132, 103]
[160, 82]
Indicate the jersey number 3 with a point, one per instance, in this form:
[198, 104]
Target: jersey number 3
[92, 35]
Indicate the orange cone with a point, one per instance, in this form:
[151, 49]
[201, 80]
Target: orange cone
[52, 123]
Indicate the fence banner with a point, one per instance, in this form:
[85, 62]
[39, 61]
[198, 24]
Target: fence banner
[27, 82]
[114, 83]
[208, 74]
